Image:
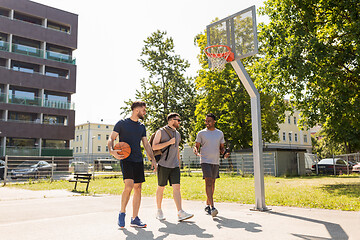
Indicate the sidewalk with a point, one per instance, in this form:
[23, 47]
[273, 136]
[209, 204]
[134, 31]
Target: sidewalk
[60, 214]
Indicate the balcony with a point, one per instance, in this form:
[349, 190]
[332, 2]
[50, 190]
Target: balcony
[4, 46]
[60, 57]
[57, 152]
[3, 97]
[58, 104]
[36, 101]
[33, 151]
[22, 151]
[27, 50]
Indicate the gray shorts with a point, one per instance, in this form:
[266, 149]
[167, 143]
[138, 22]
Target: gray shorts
[210, 170]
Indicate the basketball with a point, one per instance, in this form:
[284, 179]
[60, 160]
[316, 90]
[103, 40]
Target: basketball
[124, 149]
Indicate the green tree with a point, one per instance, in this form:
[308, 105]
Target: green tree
[166, 89]
[224, 95]
[325, 148]
[311, 51]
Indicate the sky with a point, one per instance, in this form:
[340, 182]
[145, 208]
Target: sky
[111, 35]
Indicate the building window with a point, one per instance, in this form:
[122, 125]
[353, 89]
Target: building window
[80, 137]
[98, 126]
[296, 137]
[290, 139]
[305, 138]
[284, 136]
[77, 149]
[99, 148]
[77, 138]
[107, 127]
[107, 137]
[99, 136]
[106, 148]
[295, 120]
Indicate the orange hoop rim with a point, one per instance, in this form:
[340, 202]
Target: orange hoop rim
[228, 55]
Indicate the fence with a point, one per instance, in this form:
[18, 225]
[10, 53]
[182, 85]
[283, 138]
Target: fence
[240, 163]
[15, 169]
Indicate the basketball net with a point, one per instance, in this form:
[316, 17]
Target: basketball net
[218, 56]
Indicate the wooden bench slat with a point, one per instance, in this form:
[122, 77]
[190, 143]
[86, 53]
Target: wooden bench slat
[82, 178]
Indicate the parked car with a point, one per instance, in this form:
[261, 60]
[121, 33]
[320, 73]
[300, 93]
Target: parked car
[31, 169]
[356, 168]
[326, 166]
[2, 169]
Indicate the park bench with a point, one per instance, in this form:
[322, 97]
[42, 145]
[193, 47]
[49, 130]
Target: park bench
[82, 178]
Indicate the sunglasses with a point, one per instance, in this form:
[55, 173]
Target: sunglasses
[176, 119]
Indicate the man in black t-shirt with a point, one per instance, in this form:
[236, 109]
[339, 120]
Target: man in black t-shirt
[131, 131]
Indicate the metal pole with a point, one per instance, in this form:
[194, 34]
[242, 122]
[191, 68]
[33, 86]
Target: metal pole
[88, 151]
[52, 168]
[5, 169]
[256, 134]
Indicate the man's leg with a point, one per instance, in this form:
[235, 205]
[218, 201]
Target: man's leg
[136, 199]
[159, 195]
[209, 188]
[129, 185]
[177, 196]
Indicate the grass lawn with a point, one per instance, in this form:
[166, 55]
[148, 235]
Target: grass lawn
[341, 192]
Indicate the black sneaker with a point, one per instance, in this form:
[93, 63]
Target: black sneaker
[208, 210]
[214, 212]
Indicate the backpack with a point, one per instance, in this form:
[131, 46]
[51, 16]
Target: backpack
[158, 153]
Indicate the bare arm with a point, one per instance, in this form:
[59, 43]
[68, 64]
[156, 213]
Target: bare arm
[197, 149]
[149, 152]
[110, 144]
[156, 143]
[179, 158]
[222, 151]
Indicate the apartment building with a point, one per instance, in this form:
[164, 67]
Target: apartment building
[37, 79]
[90, 142]
[290, 135]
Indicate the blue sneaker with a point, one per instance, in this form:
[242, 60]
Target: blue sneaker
[121, 221]
[136, 222]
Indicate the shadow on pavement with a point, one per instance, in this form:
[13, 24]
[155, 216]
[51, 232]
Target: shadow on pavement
[307, 237]
[335, 230]
[142, 233]
[185, 228]
[232, 223]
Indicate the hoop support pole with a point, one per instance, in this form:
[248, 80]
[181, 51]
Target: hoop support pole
[256, 134]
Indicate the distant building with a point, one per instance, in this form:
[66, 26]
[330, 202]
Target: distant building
[90, 142]
[290, 135]
[37, 79]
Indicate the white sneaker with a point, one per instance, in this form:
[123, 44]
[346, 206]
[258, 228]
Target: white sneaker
[160, 215]
[182, 215]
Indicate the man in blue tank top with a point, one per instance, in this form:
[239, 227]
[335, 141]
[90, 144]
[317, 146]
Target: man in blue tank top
[131, 131]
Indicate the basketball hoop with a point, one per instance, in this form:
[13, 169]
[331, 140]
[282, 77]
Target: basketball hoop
[218, 56]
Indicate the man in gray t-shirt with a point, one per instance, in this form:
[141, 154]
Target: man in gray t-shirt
[210, 143]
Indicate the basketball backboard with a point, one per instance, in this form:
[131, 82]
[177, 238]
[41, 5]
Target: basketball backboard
[237, 31]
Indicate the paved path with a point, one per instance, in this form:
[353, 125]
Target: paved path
[57, 214]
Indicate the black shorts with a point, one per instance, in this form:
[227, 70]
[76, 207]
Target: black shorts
[164, 174]
[133, 170]
[210, 170]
